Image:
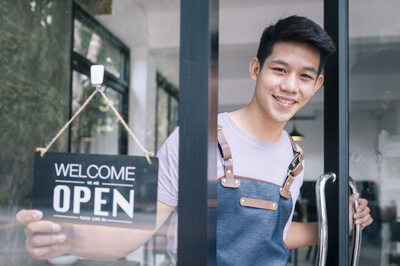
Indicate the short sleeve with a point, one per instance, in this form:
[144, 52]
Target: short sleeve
[168, 170]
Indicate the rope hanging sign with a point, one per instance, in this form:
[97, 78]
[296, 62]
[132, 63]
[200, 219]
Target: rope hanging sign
[96, 78]
[111, 190]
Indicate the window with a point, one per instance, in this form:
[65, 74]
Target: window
[167, 103]
[96, 129]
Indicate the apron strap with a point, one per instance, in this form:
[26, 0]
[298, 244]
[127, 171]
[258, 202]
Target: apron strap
[229, 180]
[295, 168]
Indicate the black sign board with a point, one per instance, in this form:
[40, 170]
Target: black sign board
[112, 190]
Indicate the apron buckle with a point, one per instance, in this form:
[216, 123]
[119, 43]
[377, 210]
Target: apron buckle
[284, 191]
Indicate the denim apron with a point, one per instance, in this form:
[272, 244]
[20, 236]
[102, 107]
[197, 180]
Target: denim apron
[252, 214]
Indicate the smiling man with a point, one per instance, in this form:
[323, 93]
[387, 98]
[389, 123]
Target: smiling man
[260, 168]
[285, 81]
[287, 74]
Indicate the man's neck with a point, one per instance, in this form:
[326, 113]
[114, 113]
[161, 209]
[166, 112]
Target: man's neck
[257, 125]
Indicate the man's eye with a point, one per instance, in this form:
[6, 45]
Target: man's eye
[306, 76]
[279, 69]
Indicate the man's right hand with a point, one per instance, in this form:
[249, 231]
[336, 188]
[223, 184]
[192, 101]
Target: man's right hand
[44, 239]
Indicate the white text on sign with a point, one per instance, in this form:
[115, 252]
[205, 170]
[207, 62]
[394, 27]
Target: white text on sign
[82, 195]
[94, 171]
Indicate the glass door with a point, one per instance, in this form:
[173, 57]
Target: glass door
[45, 76]
[362, 126]
[374, 123]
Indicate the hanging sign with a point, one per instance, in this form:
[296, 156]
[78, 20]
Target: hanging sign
[112, 190]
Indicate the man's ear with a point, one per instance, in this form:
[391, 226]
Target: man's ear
[254, 68]
[318, 83]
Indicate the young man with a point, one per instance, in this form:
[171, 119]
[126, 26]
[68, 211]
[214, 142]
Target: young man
[259, 180]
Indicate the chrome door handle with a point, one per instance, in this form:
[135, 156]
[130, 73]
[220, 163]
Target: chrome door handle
[322, 216]
[323, 221]
[357, 232]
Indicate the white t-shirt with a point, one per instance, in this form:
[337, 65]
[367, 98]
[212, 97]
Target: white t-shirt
[251, 158]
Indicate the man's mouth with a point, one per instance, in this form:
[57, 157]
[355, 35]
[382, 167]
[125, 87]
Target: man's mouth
[284, 101]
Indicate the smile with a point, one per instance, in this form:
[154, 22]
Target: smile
[283, 101]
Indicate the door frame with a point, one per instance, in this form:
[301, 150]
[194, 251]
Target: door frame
[336, 131]
[198, 110]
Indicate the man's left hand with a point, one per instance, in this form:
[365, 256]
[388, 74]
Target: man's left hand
[362, 215]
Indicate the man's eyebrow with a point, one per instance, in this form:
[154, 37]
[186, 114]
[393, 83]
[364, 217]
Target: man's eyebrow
[279, 61]
[311, 69]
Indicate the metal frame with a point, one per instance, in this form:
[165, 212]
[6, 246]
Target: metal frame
[336, 124]
[198, 132]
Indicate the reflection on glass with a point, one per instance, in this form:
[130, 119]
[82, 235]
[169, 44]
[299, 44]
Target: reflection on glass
[96, 129]
[166, 110]
[37, 83]
[98, 50]
[375, 125]
[35, 38]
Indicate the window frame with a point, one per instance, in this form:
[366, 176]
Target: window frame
[82, 65]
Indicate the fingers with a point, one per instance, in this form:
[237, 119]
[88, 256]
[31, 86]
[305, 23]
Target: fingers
[362, 209]
[26, 216]
[43, 227]
[45, 240]
[362, 215]
[48, 252]
[354, 197]
[43, 233]
[364, 220]
[370, 221]
[352, 200]
[39, 240]
[362, 203]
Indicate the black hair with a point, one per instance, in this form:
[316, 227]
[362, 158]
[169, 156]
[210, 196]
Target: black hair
[296, 29]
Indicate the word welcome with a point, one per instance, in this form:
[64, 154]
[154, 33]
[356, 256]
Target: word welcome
[94, 171]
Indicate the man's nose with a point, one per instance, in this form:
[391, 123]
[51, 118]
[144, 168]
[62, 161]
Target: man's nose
[290, 84]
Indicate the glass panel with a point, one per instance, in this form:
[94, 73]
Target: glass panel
[96, 129]
[239, 39]
[162, 117]
[96, 48]
[37, 88]
[173, 114]
[167, 112]
[35, 45]
[374, 123]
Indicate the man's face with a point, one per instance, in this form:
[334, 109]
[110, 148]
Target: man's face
[286, 81]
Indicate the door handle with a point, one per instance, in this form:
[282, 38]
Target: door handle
[323, 221]
[357, 232]
[322, 216]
